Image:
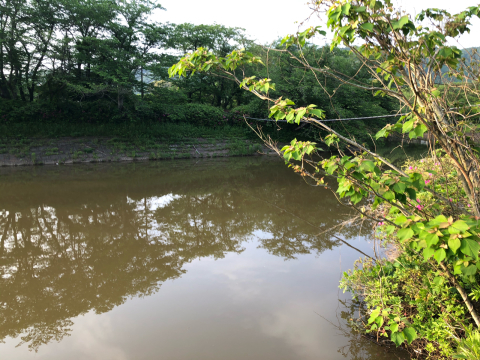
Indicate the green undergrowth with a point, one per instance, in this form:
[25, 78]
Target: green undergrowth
[166, 131]
[406, 293]
[410, 295]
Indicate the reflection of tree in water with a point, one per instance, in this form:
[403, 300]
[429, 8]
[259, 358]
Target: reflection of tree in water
[57, 265]
[97, 244]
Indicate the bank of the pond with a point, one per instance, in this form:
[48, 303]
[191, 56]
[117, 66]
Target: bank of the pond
[70, 150]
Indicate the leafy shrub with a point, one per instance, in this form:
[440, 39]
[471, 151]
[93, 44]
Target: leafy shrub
[469, 348]
[407, 294]
[416, 291]
[98, 111]
[199, 114]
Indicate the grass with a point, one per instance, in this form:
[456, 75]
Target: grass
[52, 151]
[240, 148]
[185, 133]
[167, 132]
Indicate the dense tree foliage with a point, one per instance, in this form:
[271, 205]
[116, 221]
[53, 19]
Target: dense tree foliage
[97, 61]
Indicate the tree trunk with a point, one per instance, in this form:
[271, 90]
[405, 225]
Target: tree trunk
[4, 92]
[31, 91]
[22, 93]
[463, 294]
[141, 81]
[120, 99]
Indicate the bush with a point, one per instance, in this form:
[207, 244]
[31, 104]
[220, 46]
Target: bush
[469, 348]
[97, 111]
[199, 114]
[409, 294]
[413, 291]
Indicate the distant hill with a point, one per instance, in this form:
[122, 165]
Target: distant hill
[469, 54]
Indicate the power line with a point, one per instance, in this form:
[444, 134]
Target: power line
[358, 118]
[348, 119]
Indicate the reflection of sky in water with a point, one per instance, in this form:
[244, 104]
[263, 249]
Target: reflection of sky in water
[155, 202]
[246, 306]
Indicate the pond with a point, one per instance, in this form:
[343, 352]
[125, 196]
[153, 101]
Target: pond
[210, 259]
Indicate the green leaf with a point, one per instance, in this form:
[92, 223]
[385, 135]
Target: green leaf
[428, 253]
[346, 9]
[309, 149]
[381, 133]
[390, 229]
[436, 93]
[470, 248]
[454, 244]
[469, 270]
[367, 165]
[404, 234]
[412, 194]
[296, 155]
[420, 130]
[389, 195]
[300, 115]
[438, 280]
[407, 126]
[400, 23]
[399, 187]
[394, 327]
[367, 26]
[431, 239]
[400, 219]
[373, 315]
[440, 255]
[461, 225]
[438, 220]
[356, 198]
[410, 334]
[317, 112]
[290, 116]
[398, 338]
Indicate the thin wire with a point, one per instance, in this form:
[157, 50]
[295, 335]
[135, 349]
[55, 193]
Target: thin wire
[348, 119]
[358, 118]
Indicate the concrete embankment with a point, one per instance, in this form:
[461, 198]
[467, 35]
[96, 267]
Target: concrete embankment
[17, 152]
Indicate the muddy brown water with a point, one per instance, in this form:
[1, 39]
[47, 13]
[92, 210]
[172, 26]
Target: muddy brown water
[209, 259]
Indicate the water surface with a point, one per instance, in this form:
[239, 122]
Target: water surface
[221, 259]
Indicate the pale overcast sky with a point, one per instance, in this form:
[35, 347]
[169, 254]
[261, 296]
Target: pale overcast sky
[267, 20]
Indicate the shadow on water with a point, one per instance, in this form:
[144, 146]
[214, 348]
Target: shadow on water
[87, 238]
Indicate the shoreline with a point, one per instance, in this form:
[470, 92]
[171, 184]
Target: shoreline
[66, 151]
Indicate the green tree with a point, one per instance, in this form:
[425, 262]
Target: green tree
[218, 39]
[27, 33]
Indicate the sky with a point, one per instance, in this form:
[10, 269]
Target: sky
[268, 20]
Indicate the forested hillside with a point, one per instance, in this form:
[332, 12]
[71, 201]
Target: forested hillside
[69, 65]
